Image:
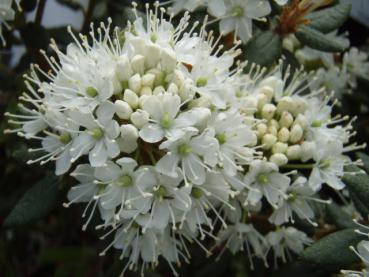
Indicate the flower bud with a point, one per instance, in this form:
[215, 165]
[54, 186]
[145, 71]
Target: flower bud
[146, 91]
[283, 134]
[152, 55]
[286, 103]
[128, 140]
[308, 149]
[122, 109]
[131, 98]
[172, 88]
[268, 111]
[139, 118]
[262, 100]
[261, 129]
[274, 123]
[138, 64]
[302, 121]
[124, 70]
[279, 159]
[268, 141]
[279, 147]
[147, 80]
[299, 105]
[141, 100]
[268, 91]
[272, 130]
[286, 119]
[288, 44]
[168, 60]
[158, 90]
[293, 152]
[134, 83]
[178, 78]
[249, 105]
[296, 133]
[203, 101]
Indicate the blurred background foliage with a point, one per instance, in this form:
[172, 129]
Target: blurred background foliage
[49, 241]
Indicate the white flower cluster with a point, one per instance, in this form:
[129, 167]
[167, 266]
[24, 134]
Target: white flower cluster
[7, 13]
[175, 144]
[233, 15]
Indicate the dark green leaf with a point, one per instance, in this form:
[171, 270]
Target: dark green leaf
[317, 40]
[264, 48]
[336, 215]
[328, 20]
[36, 203]
[358, 186]
[333, 251]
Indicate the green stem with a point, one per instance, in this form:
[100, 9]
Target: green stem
[151, 156]
[40, 12]
[298, 166]
[88, 15]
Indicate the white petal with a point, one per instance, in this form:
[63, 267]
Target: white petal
[108, 173]
[167, 165]
[98, 155]
[152, 133]
[193, 169]
[63, 163]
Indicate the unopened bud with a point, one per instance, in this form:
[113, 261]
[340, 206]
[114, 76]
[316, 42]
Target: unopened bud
[134, 83]
[308, 149]
[279, 159]
[172, 88]
[261, 129]
[283, 134]
[128, 140]
[262, 100]
[138, 64]
[131, 98]
[146, 91]
[268, 141]
[147, 80]
[268, 91]
[139, 118]
[286, 119]
[286, 103]
[152, 55]
[124, 70]
[279, 147]
[122, 109]
[302, 121]
[296, 133]
[168, 60]
[268, 111]
[272, 130]
[293, 152]
[158, 90]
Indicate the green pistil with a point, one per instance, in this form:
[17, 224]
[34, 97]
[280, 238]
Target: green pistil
[161, 192]
[292, 197]
[96, 133]
[100, 188]
[166, 122]
[237, 11]
[316, 123]
[201, 82]
[324, 164]
[125, 181]
[196, 193]
[184, 149]
[92, 92]
[263, 179]
[65, 138]
[153, 37]
[221, 138]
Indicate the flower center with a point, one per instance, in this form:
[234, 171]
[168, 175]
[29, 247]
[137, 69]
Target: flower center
[96, 133]
[92, 92]
[263, 179]
[166, 122]
[196, 193]
[201, 82]
[324, 164]
[184, 149]
[161, 192]
[153, 37]
[125, 181]
[65, 138]
[221, 138]
[316, 123]
[237, 11]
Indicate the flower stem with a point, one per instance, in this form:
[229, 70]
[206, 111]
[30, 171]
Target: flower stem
[40, 12]
[298, 166]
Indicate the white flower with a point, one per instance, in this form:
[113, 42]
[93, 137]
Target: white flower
[287, 239]
[239, 14]
[98, 140]
[329, 167]
[265, 180]
[6, 14]
[188, 151]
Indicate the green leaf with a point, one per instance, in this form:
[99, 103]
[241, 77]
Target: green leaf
[317, 40]
[332, 252]
[358, 186]
[264, 48]
[336, 215]
[365, 158]
[36, 203]
[328, 20]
